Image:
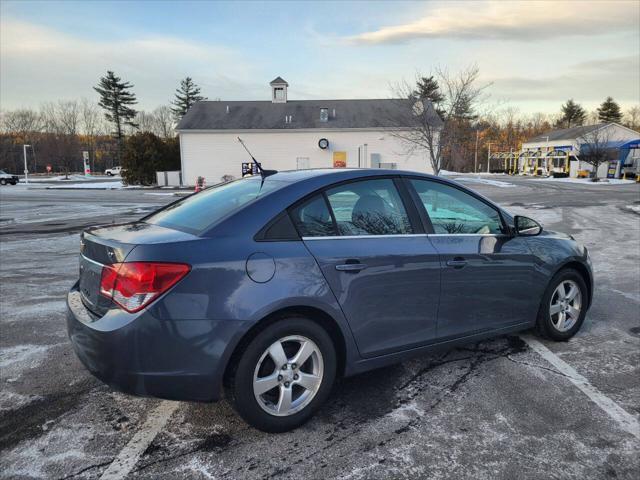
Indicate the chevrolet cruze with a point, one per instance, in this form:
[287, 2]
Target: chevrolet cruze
[269, 287]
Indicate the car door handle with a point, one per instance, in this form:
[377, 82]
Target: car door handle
[351, 267]
[457, 262]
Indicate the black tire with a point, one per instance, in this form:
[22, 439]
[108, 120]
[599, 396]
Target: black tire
[3, 181]
[109, 174]
[544, 324]
[240, 384]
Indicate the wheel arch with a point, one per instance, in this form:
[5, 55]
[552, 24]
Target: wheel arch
[584, 273]
[314, 314]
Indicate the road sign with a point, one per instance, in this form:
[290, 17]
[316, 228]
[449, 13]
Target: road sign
[87, 168]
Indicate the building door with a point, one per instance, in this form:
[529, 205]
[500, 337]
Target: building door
[302, 163]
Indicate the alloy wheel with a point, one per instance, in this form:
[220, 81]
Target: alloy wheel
[566, 303]
[288, 375]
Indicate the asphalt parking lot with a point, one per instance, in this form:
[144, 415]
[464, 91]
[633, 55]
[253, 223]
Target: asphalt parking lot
[507, 408]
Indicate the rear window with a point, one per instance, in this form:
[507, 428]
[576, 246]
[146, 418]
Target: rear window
[198, 212]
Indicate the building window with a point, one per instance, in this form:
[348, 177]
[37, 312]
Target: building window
[278, 93]
[324, 114]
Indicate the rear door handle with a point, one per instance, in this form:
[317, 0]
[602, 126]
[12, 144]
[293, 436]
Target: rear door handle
[457, 262]
[351, 267]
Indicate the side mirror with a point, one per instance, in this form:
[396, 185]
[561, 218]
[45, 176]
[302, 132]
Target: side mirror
[527, 227]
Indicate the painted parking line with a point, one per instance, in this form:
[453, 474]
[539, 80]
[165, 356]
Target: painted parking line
[626, 421]
[131, 453]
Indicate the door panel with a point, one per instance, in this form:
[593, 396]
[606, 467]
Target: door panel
[486, 274]
[387, 286]
[486, 283]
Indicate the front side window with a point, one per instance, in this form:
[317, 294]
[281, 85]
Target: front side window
[313, 219]
[369, 207]
[453, 211]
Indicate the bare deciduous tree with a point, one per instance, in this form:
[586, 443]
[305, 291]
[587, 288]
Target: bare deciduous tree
[21, 122]
[632, 117]
[421, 129]
[595, 148]
[90, 116]
[164, 122]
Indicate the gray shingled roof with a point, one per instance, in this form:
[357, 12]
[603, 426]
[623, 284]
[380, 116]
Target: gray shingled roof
[248, 115]
[566, 133]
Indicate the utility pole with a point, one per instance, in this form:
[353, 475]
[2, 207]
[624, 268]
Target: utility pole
[488, 157]
[475, 157]
[26, 170]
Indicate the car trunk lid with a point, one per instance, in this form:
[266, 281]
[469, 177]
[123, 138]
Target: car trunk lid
[100, 246]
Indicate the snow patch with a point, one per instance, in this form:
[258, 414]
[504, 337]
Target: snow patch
[486, 181]
[602, 181]
[91, 186]
[14, 360]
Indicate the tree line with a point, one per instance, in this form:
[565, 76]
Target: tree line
[467, 127]
[114, 132]
[110, 130]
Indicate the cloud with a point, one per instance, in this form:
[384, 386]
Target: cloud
[588, 82]
[512, 20]
[39, 64]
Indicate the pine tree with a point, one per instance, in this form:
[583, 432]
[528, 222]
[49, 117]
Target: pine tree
[609, 111]
[572, 114]
[427, 88]
[115, 99]
[186, 96]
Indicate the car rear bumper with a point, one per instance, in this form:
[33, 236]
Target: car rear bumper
[141, 355]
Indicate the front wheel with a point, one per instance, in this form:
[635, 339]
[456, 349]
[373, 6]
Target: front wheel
[564, 306]
[3, 181]
[285, 373]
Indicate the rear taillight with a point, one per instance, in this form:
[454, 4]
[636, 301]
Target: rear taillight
[134, 285]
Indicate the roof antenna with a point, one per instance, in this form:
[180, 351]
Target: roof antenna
[263, 173]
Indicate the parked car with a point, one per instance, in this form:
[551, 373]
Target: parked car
[266, 289]
[7, 178]
[113, 171]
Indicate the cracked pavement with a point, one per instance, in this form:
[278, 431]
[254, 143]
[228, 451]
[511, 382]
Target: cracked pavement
[493, 409]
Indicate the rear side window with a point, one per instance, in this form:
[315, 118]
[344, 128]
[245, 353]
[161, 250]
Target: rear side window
[313, 219]
[369, 207]
[198, 212]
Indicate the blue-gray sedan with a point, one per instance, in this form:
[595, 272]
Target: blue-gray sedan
[269, 288]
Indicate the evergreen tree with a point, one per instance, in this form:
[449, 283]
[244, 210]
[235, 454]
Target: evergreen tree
[115, 99]
[427, 88]
[186, 96]
[609, 111]
[144, 154]
[572, 114]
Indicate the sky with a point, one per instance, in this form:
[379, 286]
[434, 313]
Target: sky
[534, 54]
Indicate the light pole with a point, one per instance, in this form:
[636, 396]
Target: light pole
[489, 156]
[475, 157]
[26, 170]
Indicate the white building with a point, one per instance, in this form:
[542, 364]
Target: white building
[552, 150]
[286, 134]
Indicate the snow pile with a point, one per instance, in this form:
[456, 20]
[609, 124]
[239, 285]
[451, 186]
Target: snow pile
[93, 185]
[59, 178]
[602, 181]
[486, 181]
[633, 208]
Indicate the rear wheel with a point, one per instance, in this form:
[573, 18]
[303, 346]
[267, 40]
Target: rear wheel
[285, 373]
[564, 306]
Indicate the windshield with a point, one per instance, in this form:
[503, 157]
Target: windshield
[198, 212]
